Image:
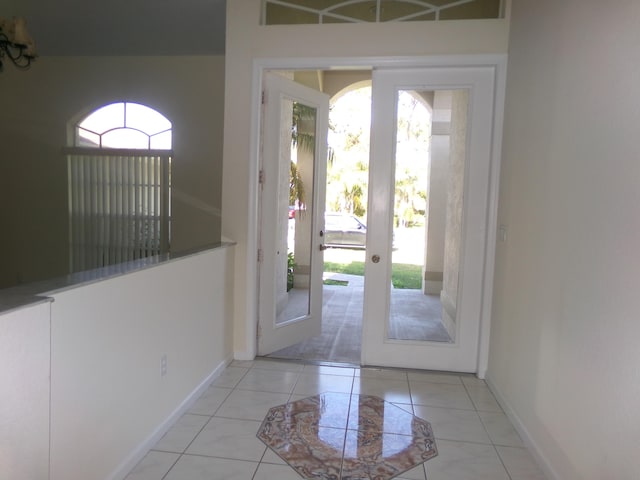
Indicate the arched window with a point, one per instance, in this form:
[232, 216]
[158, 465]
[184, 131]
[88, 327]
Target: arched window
[297, 12]
[119, 186]
[124, 125]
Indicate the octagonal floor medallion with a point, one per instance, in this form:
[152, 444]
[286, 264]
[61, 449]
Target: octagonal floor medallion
[347, 437]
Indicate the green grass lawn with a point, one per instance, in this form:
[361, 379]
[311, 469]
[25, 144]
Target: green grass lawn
[403, 275]
[341, 283]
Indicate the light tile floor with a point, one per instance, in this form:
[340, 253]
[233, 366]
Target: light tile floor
[344, 435]
[216, 439]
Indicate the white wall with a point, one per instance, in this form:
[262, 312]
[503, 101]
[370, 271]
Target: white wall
[82, 392]
[38, 104]
[247, 41]
[108, 397]
[24, 393]
[564, 354]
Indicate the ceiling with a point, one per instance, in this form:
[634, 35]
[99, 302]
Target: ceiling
[122, 27]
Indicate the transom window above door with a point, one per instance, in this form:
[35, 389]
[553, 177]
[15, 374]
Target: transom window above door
[124, 125]
[281, 12]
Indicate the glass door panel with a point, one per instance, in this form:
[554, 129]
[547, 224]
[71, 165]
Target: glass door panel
[291, 208]
[430, 140]
[296, 209]
[427, 243]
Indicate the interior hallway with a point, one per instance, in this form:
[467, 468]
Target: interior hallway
[216, 439]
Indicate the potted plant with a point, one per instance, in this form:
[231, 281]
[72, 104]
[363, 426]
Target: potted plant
[290, 266]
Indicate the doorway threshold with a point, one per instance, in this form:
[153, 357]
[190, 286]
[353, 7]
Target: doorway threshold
[306, 361]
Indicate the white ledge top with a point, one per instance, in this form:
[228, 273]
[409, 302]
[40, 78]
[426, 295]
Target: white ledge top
[29, 294]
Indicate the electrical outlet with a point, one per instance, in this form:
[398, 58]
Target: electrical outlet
[163, 365]
[502, 233]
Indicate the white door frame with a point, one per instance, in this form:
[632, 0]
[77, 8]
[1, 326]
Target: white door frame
[273, 335]
[496, 61]
[460, 355]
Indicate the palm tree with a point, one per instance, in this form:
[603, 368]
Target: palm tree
[300, 139]
[353, 199]
[296, 186]
[304, 141]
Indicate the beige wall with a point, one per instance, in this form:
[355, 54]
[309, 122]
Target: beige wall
[246, 41]
[453, 236]
[339, 82]
[564, 352]
[36, 107]
[439, 170]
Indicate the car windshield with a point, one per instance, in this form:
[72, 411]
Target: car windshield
[344, 222]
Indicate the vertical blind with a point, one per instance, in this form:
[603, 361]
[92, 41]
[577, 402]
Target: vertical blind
[118, 206]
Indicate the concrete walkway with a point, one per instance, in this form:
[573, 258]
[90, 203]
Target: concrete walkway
[413, 316]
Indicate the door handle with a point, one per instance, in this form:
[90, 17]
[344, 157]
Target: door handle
[375, 258]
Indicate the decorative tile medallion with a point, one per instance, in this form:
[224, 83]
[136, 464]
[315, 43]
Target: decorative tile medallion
[336, 436]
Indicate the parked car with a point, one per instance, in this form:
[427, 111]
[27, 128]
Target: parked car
[344, 230]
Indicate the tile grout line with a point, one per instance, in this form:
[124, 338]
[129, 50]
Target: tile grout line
[424, 464]
[413, 409]
[466, 389]
[298, 377]
[171, 467]
[255, 472]
[502, 462]
[181, 454]
[346, 427]
[475, 409]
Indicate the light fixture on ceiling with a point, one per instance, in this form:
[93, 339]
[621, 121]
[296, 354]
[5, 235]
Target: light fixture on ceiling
[16, 43]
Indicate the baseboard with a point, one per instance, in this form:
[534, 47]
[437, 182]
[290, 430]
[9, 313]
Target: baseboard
[243, 355]
[529, 442]
[449, 313]
[432, 287]
[138, 454]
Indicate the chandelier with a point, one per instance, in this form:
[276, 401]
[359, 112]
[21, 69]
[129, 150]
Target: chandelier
[15, 43]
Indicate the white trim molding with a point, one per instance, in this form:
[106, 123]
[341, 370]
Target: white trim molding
[139, 453]
[260, 65]
[518, 424]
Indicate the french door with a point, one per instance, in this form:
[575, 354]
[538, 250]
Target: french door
[455, 242]
[291, 210]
